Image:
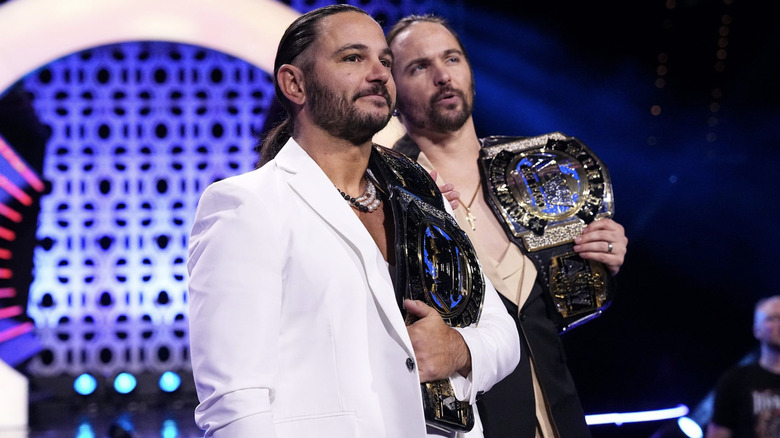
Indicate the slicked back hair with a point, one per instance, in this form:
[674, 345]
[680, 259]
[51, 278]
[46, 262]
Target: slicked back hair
[407, 21]
[298, 37]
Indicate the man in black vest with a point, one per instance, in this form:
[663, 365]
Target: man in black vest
[435, 91]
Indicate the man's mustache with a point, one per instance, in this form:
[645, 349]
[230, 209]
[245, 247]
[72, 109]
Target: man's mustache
[446, 90]
[375, 89]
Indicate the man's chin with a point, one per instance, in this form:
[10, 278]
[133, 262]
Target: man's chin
[447, 124]
[380, 110]
[374, 100]
[379, 117]
[363, 130]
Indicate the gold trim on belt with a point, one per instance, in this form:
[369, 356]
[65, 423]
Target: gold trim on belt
[545, 190]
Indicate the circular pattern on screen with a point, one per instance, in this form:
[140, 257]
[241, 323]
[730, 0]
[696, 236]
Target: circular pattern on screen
[139, 129]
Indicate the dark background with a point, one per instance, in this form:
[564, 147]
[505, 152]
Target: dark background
[695, 184]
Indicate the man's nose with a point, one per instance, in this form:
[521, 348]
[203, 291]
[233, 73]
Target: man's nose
[441, 76]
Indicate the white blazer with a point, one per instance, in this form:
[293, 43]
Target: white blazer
[294, 326]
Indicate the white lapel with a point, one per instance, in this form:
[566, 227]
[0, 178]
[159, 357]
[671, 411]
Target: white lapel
[316, 189]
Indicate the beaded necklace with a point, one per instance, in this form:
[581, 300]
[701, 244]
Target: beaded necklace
[368, 201]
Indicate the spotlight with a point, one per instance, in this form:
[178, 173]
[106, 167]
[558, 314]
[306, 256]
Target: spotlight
[169, 429]
[682, 427]
[170, 381]
[85, 431]
[124, 383]
[690, 428]
[85, 384]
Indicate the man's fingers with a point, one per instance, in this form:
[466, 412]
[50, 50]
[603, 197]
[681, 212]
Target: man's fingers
[417, 308]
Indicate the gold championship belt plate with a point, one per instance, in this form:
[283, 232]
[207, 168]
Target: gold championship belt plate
[436, 264]
[545, 190]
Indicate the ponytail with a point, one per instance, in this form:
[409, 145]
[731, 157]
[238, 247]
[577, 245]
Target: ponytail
[273, 141]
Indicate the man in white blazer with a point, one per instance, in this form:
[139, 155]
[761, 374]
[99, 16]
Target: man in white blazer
[295, 327]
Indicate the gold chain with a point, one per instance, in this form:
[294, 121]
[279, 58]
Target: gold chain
[469, 216]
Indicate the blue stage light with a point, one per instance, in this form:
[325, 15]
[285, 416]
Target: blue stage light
[620, 418]
[85, 431]
[170, 381]
[124, 383]
[85, 384]
[690, 428]
[169, 429]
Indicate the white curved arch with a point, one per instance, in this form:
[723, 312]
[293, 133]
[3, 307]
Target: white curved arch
[36, 32]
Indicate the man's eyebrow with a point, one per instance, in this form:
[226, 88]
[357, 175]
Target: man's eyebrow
[362, 47]
[416, 61]
[423, 59]
[453, 51]
[352, 46]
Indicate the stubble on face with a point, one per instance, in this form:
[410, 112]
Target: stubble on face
[434, 116]
[340, 116]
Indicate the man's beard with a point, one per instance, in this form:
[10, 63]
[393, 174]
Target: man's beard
[435, 119]
[341, 118]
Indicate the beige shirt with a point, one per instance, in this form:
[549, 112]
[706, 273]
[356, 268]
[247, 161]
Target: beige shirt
[513, 277]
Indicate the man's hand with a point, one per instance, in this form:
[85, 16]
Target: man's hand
[603, 241]
[449, 192]
[439, 348]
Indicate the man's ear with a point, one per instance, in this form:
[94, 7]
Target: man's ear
[290, 80]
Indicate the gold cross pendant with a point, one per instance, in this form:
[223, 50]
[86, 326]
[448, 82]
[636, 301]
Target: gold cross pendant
[471, 218]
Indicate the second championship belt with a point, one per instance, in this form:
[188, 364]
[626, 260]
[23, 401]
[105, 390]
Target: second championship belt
[545, 190]
[436, 264]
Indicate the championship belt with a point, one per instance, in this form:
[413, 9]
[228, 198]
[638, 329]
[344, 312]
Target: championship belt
[545, 190]
[436, 264]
